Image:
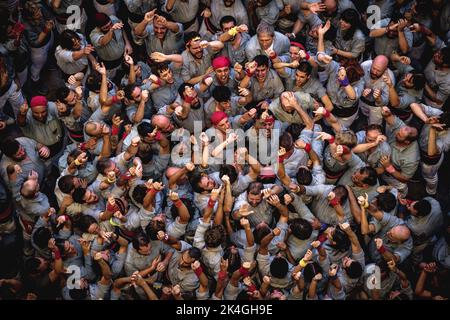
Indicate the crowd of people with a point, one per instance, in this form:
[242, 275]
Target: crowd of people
[224, 149]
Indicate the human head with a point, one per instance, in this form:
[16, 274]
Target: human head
[349, 22]
[379, 66]
[301, 228]
[133, 92]
[215, 236]
[352, 267]
[346, 138]
[222, 95]
[420, 208]
[303, 73]
[311, 270]
[265, 33]
[294, 50]
[13, 149]
[279, 267]
[399, 234]
[82, 195]
[263, 67]
[226, 23]
[230, 171]
[254, 196]
[66, 96]
[365, 177]
[30, 189]
[159, 29]
[163, 123]
[414, 80]
[32, 11]
[221, 65]
[406, 135]
[94, 128]
[141, 243]
[88, 224]
[192, 41]
[338, 239]
[68, 183]
[70, 40]
[442, 57]
[372, 132]
[201, 182]
[220, 121]
[164, 72]
[189, 256]
[103, 22]
[304, 176]
[386, 201]
[39, 108]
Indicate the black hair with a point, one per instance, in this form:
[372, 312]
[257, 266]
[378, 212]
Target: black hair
[62, 93]
[227, 19]
[78, 294]
[279, 267]
[41, 237]
[195, 253]
[153, 228]
[354, 270]
[286, 141]
[305, 67]
[93, 81]
[230, 171]
[182, 87]
[295, 129]
[372, 176]
[102, 164]
[352, 17]
[65, 184]
[66, 39]
[144, 128]
[9, 146]
[386, 201]
[85, 222]
[423, 207]
[341, 240]
[418, 80]
[221, 94]
[128, 90]
[310, 271]
[139, 240]
[31, 265]
[194, 180]
[78, 194]
[139, 193]
[301, 228]
[234, 260]
[304, 176]
[446, 55]
[261, 60]
[260, 233]
[189, 36]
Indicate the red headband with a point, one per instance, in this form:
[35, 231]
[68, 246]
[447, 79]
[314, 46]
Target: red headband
[218, 116]
[221, 62]
[38, 101]
[298, 45]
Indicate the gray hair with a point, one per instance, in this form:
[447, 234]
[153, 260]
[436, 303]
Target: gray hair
[264, 27]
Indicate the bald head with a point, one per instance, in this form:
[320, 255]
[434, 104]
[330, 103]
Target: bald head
[401, 233]
[379, 66]
[30, 188]
[163, 123]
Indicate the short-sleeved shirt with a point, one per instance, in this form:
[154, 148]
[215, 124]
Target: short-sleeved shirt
[114, 49]
[47, 133]
[385, 45]
[65, 60]
[404, 158]
[271, 88]
[439, 81]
